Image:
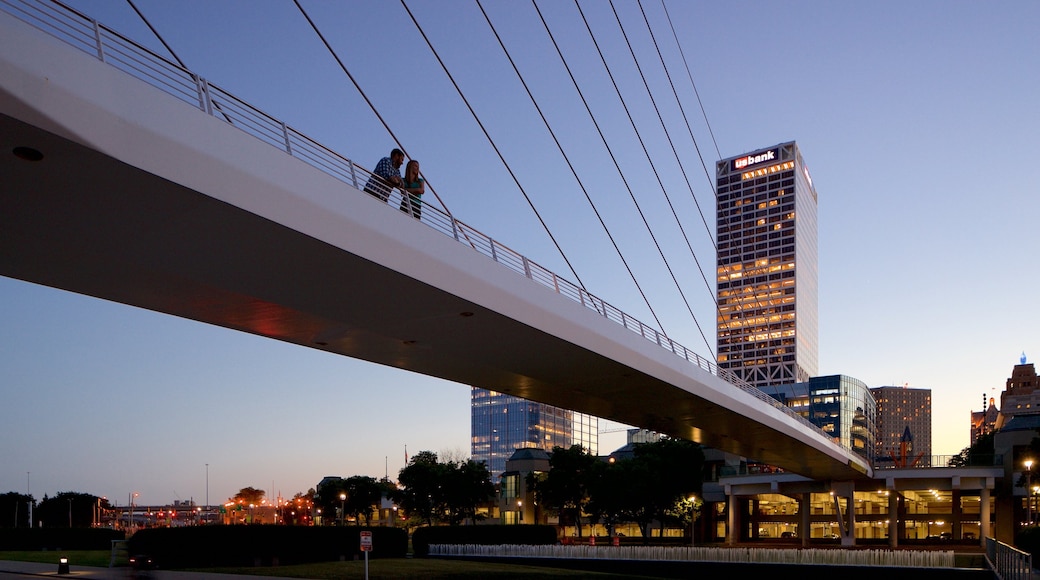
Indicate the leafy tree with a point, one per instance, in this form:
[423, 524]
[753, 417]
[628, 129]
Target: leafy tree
[467, 485]
[610, 496]
[674, 466]
[979, 453]
[249, 495]
[363, 495]
[420, 492]
[564, 490]
[14, 509]
[452, 490]
[69, 508]
[327, 497]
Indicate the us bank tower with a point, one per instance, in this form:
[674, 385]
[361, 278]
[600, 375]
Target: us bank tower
[767, 267]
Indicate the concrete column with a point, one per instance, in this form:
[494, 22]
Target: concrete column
[804, 509]
[893, 519]
[849, 539]
[732, 529]
[984, 531]
[957, 514]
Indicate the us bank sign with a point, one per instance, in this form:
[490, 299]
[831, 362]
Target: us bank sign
[751, 160]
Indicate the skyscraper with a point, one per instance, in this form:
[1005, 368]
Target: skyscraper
[500, 424]
[767, 267]
[904, 418]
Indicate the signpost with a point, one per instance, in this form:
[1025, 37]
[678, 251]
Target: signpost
[366, 547]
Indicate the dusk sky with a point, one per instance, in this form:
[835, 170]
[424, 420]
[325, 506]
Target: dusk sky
[916, 119]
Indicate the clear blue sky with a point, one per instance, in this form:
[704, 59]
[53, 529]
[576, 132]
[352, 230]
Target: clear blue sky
[917, 121]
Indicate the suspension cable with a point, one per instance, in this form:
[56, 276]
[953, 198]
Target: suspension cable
[653, 169]
[758, 301]
[371, 106]
[570, 165]
[493, 145]
[695, 92]
[156, 33]
[678, 102]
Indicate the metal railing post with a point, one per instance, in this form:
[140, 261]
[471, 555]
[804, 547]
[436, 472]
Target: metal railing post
[99, 43]
[285, 136]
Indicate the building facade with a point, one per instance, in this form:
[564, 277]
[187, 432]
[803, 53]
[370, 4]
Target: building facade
[500, 424]
[904, 425]
[767, 267]
[1021, 394]
[843, 407]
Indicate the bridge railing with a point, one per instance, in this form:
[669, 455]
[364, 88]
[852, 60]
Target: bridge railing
[111, 47]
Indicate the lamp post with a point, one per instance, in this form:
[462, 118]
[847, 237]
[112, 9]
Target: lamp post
[520, 510]
[693, 517]
[1029, 491]
[342, 508]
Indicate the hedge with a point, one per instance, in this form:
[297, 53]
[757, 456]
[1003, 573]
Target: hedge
[262, 545]
[31, 539]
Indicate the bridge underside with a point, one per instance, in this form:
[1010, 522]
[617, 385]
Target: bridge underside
[254, 255]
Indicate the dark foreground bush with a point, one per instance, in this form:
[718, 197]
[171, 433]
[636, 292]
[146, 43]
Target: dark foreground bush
[1028, 540]
[520, 535]
[259, 545]
[29, 539]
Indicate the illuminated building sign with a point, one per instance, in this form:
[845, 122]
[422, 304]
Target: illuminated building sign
[752, 160]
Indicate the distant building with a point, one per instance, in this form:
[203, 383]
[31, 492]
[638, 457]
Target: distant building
[500, 424]
[985, 421]
[904, 426]
[766, 275]
[1021, 395]
[841, 406]
[516, 502]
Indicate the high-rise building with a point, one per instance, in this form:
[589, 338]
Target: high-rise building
[500, 424]
[904, 418]
[767, 267]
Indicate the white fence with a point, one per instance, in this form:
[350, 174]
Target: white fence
[899, 558]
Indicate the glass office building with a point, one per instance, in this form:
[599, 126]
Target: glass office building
[501, 424]
[767, 267]
[843, 407]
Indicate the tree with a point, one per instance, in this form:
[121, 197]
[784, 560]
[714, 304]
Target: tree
[979, 453]
[327, 497]
[674, 466]
[420, 492]
[70, 509]
[363, 495]
[249, 495]
[14, 509]
[467, 485]
[565, 488]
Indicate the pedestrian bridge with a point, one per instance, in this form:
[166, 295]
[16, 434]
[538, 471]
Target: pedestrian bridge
[127, 178]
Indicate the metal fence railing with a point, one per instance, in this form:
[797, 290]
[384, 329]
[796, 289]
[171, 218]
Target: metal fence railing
[1008, 562]
[96, 39]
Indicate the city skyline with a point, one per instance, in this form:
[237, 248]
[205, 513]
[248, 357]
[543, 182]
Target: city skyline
[914, 129]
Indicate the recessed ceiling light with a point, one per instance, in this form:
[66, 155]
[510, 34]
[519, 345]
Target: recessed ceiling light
[27, 153]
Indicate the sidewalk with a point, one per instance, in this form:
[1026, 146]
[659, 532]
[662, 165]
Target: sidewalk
[81, 572]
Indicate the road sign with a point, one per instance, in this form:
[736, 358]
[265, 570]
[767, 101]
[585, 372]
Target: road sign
[366, 541]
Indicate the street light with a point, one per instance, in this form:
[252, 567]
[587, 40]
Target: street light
[693, 516]
[1029, 491]
[520, 509]
[342, 499]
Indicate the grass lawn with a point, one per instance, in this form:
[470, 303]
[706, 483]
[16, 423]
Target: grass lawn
[97, 558]
[403, 568]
